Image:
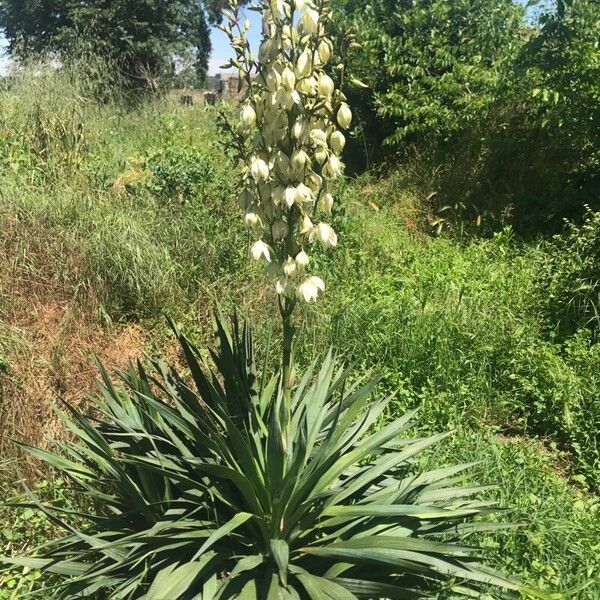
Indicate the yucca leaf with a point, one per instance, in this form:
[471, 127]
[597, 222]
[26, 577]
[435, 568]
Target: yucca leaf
[235, 522]
[281, 554]
[319, 588]
[174, 581]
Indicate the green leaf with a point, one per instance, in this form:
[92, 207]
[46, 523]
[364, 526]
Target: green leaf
[174, 581]
[281, 553]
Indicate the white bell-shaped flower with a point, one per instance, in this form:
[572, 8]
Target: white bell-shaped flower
[290, 267]
[324, 51]
[310, 21]
[319, 137]
[326, 86]
[325, 234]
[321, 155]
[309, 290]
[334, 167]
[304, 64]
[302, 260]
[306, 225]
[248, 116]
[260, 251]
[344, 116]
[251, 219]
[290, 196]
[288, 79]
[300, 129]
[299, 160]
[259, 170]
[326, 203]
[337, 141]
[305, 193]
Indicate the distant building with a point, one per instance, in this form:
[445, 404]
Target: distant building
[225, 85]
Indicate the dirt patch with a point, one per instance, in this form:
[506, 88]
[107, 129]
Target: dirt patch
[53, 361]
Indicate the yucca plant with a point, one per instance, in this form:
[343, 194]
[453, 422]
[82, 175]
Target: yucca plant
[201, 493]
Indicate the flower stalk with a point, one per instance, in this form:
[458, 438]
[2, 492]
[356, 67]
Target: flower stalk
[288, 142]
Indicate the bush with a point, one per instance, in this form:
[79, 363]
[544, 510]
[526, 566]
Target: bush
[431, 65]
[178, 173]
[219, 493]
[570, 281]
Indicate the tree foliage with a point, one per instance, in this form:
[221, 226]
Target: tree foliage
[430, 65]
[506, 108]
[146, 39]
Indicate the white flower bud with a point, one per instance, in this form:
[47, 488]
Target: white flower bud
[310, 21]
[288, 79]
[251, 219]
[324, 51]
[299, 4]
[280, 230]
[260, 251]
[326, 203]
[344, 116]
[337, 141]
[304, 65]
[290, 267]
[326, 86]
[309, 290]
[306, 225]
[319, 137]
[321, 155]
[302, 260]
[259, 170]
[325, 234]
[248, 116]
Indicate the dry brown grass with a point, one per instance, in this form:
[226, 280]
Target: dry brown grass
[49, 336]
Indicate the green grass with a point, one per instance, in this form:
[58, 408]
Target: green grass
[131, 212]
[557, 546]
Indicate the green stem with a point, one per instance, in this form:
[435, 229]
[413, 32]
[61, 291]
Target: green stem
[286, 308]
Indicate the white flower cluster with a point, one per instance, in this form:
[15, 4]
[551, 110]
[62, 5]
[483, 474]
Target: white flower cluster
[289, 138]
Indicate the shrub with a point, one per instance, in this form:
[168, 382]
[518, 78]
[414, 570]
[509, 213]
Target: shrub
[570, 282]
[208, 494]
[179, 172]
[431, 65]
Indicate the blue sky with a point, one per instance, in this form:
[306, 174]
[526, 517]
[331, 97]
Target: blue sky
[221, 50]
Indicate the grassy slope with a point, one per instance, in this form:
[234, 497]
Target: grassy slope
[107, 222]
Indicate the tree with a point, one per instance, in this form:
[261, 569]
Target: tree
[430, 65]
[145, 39]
